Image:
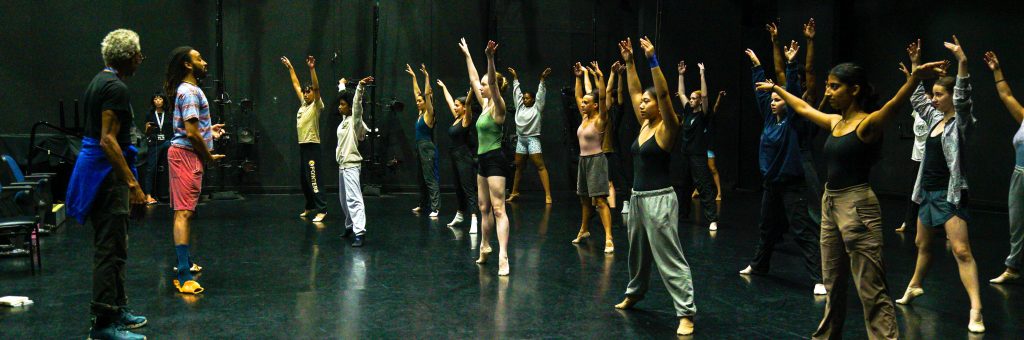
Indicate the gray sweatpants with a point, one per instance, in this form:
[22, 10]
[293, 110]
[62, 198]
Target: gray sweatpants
[1016, 219]
[654, 236]
[350, 192]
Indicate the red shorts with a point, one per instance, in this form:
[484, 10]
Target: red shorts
[186, 172]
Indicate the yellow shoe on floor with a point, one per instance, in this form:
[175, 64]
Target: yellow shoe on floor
[190, 287]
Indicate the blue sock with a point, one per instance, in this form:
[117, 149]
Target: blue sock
[184, 274]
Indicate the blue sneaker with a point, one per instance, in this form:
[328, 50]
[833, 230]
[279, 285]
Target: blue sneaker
[129, 320]
[113, 331]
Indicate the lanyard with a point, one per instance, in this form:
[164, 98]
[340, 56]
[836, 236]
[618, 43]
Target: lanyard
[160, 119]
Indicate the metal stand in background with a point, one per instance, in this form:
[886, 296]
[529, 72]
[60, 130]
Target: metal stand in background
[221, 102]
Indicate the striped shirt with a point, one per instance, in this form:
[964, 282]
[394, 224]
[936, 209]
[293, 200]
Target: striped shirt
[191, 103]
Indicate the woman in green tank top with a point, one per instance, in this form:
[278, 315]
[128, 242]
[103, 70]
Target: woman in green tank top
[493, 165]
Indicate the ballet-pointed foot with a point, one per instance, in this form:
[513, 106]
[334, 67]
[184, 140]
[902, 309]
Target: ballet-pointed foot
[627, 303]
[747, 271]
[484, 252]
[1006, 277]
[902, 228]
[911, 294]
[580, 237]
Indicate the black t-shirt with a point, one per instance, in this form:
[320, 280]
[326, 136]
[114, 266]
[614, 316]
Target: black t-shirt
[693, 138]
[107, 92]
[160, 134]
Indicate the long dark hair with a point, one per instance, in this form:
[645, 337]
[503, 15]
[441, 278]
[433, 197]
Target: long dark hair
[176, 71]
[852, 74]
[152, 108]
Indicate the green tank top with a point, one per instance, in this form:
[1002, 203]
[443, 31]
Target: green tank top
[488, 133]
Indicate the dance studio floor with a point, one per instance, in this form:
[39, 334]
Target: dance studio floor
[269, 274]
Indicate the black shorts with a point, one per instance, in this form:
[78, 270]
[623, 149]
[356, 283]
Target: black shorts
[493, 163]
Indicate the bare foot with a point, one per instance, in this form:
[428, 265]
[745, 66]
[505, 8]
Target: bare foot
[512, 197]
[747, 271]
[320, 217]
[902, 228]
[627, 303]
[547, 199]
[609, 246]
[695, 194]
[305, 213]
[719, 197]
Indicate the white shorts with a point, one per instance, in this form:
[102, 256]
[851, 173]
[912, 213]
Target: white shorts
[528, 145]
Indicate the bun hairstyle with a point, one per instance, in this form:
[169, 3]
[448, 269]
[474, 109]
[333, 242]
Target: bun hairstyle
[854, 75]
[500, 81]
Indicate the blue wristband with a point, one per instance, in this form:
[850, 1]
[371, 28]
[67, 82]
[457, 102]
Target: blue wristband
[653, 61]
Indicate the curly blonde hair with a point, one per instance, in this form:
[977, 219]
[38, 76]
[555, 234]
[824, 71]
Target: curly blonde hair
[120, 46]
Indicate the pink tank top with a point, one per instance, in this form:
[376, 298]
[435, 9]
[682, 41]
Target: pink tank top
[590, 139]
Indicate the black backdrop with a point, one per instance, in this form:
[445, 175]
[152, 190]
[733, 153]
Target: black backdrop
[51, 49]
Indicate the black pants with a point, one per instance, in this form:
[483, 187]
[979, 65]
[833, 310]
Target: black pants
[430, 190]
[464, 169]
[910, 217]
[784, 207]
[814, 188]
[695, 173]
[615, 173]
[109, 218]
[309, 156]
[157, 156]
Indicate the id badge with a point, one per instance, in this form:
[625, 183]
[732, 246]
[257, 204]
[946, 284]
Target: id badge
[160, 137]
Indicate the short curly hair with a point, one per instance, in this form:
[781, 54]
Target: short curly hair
[120, 46]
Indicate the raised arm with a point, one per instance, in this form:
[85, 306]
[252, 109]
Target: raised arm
[718, 101]
[619, 98]
[777, 58]
[474, 77]
[670, 121]
[447, 96]
[311, 62]
[873, 124]
[757, 76]
[295, 79]
[538, 98]
[428, 97]
[800, 106]
[792, 72]
[681, 68]
[610, 87]
[1005, 94]
[498, 113]
[415, 82]
[357, 100]
[517, 92]
[578, 71]
[636, 92]
[810, 78]
[602, 106]
[587, 87]
[703, 90]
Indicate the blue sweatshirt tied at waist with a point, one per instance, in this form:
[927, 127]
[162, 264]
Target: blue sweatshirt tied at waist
[91, 168]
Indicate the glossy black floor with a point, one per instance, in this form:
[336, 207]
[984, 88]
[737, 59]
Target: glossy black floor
[269, 274]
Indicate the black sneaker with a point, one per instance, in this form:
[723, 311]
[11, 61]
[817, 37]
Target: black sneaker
[113, 331]
[358, 242]
[347, 233]
[129, 320]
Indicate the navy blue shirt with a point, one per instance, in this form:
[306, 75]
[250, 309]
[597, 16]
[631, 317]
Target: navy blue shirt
[779, 153]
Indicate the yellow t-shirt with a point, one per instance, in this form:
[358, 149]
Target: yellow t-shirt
[308, 122]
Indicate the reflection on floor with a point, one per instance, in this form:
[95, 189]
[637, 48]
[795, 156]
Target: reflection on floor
[269, 274]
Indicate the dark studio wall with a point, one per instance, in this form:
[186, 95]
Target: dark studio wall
[51, 50]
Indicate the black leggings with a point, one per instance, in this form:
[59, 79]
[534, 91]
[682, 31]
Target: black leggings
[696, 174]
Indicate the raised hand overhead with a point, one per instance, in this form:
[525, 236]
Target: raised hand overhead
[791, 50]
[809, 29]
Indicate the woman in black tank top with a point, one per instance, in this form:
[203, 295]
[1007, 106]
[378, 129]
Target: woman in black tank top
[462, 157]
[851, 218]
[653, 197]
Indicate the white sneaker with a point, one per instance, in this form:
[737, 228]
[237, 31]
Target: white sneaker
[458, 219]
[433, 214]
[819, 289]
[472, 224]
[713, 226]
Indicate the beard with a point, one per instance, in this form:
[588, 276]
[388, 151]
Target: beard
[199, 73]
